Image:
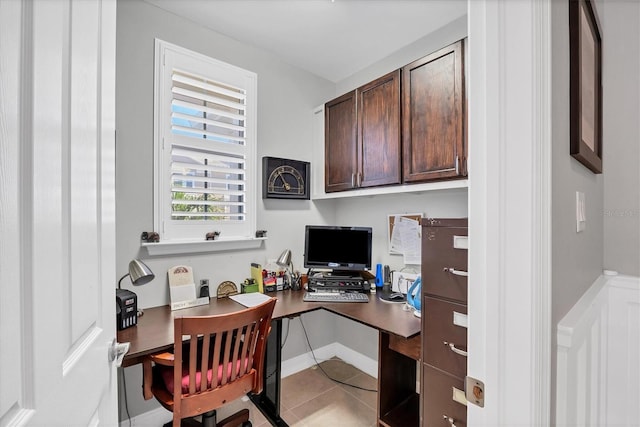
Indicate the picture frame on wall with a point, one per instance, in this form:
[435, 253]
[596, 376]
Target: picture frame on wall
[585, 46]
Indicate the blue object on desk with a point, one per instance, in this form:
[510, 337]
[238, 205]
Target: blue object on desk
[414, 295]
[379, 276]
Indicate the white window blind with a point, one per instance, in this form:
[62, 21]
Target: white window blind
[205, 122]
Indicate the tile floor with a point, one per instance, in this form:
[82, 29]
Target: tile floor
[310, 399]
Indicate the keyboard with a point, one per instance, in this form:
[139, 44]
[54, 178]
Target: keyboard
[335, 297]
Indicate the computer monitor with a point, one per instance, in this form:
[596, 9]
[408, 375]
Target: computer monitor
[337, 248]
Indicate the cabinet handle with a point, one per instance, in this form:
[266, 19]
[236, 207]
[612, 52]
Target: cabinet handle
[359, 179]
[457, 165]
[456, 272]
[353, 180]
[450, 420]
[455, 349]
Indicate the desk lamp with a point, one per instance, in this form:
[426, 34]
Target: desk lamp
[139, 273]
[126, 301]
[284, 260]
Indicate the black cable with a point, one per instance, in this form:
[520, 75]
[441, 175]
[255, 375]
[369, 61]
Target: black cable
[124, 388]
[323, 371]
[287, 334]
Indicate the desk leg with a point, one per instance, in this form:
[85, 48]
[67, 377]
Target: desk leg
[269, 400]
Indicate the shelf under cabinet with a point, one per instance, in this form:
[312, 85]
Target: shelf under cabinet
[406, 414]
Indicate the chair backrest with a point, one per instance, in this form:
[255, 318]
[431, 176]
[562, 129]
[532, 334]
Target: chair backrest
[229, 348]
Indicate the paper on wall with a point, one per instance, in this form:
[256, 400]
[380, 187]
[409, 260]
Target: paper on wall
[405, 239]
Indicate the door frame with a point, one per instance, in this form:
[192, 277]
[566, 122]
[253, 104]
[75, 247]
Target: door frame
[509, 93]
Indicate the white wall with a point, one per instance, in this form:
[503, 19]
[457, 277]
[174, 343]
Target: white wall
[286, 98]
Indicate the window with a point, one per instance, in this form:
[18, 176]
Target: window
[205, 146]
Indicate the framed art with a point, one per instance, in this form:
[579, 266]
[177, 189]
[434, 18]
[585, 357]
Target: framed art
[585, 47]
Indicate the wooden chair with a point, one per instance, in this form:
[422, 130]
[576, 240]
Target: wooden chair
[229, 348]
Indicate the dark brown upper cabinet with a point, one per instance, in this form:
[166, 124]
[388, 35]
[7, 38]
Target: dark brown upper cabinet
[433, 122]
[362, 136]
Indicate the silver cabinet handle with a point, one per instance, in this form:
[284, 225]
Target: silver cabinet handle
[457, 165]
[450, 420]
[456, 272]
[359, 179]
[455, 349]
[353, 180]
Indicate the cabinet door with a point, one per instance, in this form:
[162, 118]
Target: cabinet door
[379, 132]
[340, 157]
[433, 116]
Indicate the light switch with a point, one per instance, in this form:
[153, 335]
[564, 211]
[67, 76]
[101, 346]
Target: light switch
[581, 216]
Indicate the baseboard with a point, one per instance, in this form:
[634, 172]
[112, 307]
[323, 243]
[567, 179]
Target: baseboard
[367, 365]
[306, 360]
[153, 418]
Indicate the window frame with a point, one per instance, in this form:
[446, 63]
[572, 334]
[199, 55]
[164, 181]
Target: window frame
[172, 231]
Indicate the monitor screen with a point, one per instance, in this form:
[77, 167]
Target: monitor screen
[337, 248]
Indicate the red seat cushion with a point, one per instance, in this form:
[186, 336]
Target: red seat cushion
[167, 376]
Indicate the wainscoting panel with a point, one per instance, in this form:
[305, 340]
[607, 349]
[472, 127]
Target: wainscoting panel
[623, 375]
[599, 356]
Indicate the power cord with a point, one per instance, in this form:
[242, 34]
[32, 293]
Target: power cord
[287, 334]
[323, 371]
[272, 373]
[124, 388]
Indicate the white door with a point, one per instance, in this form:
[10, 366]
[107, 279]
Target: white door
[57, 212]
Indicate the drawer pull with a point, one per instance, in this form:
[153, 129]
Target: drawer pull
[455, 349]
[450, 420]
[456, 272]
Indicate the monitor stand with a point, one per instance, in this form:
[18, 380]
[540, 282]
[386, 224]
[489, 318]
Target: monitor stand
[342, 274]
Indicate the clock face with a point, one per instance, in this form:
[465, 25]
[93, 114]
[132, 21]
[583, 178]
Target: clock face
[285, 179]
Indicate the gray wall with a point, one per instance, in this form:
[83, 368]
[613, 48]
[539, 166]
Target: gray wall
[577, 258]
[612, 237]
[286, 98]
[620, 23]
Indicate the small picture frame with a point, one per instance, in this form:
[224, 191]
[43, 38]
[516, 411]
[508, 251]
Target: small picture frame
[585, 46]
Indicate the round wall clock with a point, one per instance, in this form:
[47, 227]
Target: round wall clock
[285, 178]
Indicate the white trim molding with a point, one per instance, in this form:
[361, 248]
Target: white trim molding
[509, 204]
[598, 354]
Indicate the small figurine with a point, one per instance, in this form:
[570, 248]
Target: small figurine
[150, 237]
[213, 235]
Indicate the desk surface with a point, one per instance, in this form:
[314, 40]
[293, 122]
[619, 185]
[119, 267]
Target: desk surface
[154, 331]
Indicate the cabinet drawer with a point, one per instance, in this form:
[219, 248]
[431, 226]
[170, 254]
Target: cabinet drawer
[444, 262]
[442, 395]
[440, 334]
[410, 347]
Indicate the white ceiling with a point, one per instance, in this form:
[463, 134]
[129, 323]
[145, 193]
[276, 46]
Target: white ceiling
[332, 39]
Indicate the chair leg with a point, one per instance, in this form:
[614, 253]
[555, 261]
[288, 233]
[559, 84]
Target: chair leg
[209, 419]
[186, 422]
[235, 420]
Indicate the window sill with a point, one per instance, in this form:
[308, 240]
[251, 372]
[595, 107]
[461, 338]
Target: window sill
[201, 246]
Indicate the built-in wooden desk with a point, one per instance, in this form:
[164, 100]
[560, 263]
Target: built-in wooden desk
[399, 344]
